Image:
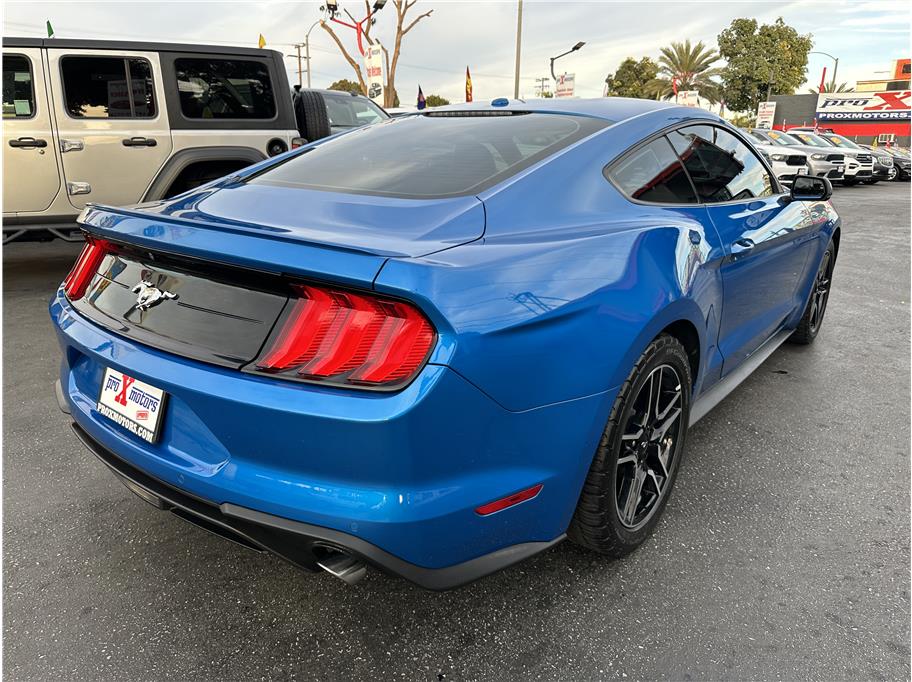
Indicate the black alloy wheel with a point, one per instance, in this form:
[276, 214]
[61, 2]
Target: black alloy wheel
[648, 447]
[639, 454]
[812, 320]
[821, 291]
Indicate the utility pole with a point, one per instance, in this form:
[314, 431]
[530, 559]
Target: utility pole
[297, 47]
[518, 50]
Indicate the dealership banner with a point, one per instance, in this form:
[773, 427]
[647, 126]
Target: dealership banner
[565, 85]
[766, 113]
[864, 106]
[373, 63]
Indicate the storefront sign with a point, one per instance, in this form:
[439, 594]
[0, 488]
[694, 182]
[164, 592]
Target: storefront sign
[864, 106]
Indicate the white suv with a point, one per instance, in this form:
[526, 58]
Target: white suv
[119, 123]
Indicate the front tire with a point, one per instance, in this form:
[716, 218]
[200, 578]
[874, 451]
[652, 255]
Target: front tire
[638, 457]
[812, 319]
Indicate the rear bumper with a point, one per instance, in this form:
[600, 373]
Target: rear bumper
[299, 543]
[401, 472]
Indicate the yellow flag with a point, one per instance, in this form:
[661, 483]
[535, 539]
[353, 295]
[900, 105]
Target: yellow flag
[262, 42]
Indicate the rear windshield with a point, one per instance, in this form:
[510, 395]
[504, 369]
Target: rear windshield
[431, 156]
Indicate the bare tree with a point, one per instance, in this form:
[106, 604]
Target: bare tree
[402, 28]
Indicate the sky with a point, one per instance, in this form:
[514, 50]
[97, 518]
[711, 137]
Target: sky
[866, 36]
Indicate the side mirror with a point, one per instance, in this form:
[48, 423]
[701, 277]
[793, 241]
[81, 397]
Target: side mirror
[811, 188]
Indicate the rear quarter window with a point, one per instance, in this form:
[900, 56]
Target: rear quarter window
[224, 89]
[653, 173]
[431, 156]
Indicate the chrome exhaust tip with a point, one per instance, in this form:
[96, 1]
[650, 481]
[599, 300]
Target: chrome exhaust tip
[343, 566]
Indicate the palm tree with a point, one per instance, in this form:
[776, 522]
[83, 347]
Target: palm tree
[832, 87]
[691, 67]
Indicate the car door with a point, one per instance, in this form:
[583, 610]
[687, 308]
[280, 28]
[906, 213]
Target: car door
[112, 123]
[766, 237]
[31, 177]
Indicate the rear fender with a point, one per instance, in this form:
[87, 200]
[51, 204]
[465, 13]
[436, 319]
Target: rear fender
[546, 322]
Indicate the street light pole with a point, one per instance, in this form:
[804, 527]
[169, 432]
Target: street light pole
[835, 66]
[563, 54]
[518, 50]
[307, 49]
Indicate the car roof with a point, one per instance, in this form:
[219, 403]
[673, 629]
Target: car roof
[92, 44]
[614, 109]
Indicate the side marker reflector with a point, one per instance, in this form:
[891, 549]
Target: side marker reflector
[509, 501]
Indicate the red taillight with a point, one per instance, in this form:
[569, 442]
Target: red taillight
[349, 338]
[86, 266]
[509, 501]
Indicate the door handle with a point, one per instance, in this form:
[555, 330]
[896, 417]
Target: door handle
[28, 143]
[742, 246]
[71, 146]
[139, 142]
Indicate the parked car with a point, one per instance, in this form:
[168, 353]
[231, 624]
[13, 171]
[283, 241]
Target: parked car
[901, 162]
[823, 163]
[885, 167]
[320, 113]
[394, 347]
[881, 164]
[73, 132]
[859, 162]
[786, 164]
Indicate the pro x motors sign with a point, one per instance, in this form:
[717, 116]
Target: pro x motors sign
[864, 106]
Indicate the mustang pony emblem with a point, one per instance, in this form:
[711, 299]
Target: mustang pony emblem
[149, 295]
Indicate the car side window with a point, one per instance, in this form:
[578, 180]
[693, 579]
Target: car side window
[721, 166]
[224, 89]
[653, 173]
[351, 112]
[18, 92]
[108, 87]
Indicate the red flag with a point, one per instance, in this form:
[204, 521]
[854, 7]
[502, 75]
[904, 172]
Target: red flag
[468, 85]
[674, 85]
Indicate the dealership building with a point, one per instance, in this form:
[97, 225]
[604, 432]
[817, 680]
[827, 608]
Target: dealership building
[878, 110]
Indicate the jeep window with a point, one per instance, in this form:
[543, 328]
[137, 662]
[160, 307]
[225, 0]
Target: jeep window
[18, 94]
[653, 173]
[431, 155]
[224, 89]
[352, 112]
[721, 166]
[97, 87]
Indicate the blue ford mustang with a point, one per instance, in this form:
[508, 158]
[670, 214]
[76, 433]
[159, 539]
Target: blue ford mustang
[443, 343]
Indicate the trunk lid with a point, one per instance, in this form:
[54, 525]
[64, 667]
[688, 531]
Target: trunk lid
[385, 226]
[219, 261]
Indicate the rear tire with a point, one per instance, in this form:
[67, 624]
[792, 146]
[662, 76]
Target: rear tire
[812, 320]
[639, 452]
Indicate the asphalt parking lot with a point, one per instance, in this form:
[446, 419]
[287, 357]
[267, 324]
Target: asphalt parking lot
[783, 554]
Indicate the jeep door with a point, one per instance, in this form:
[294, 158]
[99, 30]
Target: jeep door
[31, 177]
[112, 123]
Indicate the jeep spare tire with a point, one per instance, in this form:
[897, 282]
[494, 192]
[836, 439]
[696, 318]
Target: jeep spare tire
[311, 115]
